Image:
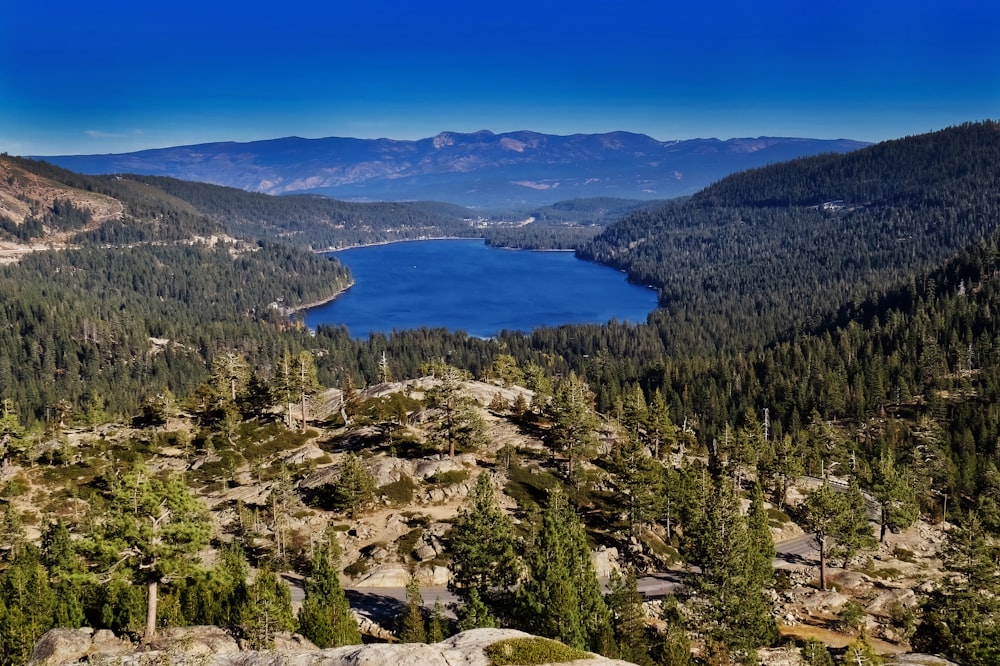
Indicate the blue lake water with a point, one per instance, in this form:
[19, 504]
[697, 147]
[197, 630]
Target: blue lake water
[465, 285]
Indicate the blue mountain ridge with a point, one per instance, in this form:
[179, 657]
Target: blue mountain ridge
[472, 169]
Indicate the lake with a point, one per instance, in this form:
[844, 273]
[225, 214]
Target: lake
[465, 285]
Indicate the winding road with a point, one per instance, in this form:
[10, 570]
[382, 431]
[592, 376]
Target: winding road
[384, 604]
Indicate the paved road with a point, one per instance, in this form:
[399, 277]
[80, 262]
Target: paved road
[383, 604]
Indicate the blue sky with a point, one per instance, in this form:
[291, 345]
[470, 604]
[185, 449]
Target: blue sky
[114, 76]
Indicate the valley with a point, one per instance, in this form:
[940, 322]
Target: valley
[804, 431]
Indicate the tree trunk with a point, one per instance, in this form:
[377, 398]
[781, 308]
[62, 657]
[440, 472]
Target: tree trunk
[151, 599]
[822, 562]
[881, 534]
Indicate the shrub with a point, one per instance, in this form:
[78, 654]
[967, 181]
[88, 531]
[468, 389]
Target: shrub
[529, 651]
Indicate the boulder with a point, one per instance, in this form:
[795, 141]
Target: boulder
[61, 646]
[194, 641]
[606, 561]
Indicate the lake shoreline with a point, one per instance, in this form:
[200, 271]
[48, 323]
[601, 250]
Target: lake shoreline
[470, 286]
[322, 301]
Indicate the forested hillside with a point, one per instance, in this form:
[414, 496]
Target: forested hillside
[856, 343]
[313, 221]
[138, 302]
[770, 251]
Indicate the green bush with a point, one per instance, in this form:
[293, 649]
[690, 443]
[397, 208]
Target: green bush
[398, 492]
[449, 478]
[529, 651]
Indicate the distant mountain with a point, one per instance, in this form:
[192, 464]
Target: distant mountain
[482, 169]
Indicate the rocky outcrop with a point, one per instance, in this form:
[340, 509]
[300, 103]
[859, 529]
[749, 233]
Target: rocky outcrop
[202, 646]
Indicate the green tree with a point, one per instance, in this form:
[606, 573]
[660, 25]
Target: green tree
[306, 381]
[154, 529]
[660, 430]
[734, 611]
[355, 488]
[561, 576]
[629, 618]
[815, 653]
[268, 610]
[575, 422]
[411, 627]
[895, 494]
[325, 617]
[823, 510]
[637, 478]
[27, 605]
[852, 532]
[482, 544]
[959, 618]
[474, 614]
[861, 653]
[437, 626]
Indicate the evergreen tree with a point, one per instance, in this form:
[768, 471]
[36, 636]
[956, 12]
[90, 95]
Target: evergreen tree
[823, 509]
[437, 627]
[629, 618]
[483, 549]
[155, 528]
[674, 648]
[660, 430]
[637, 477]
[895, 494]
[474, 614]
[575, 422]
[959, 619]
[411, 627]
[852, 532]
[815, 653]
[734, 610]
[355, 487]
[268, 610]
[561, 576]
[762, 552]
[325, 617]
[306, 381]
[27, 606]
[861, 653]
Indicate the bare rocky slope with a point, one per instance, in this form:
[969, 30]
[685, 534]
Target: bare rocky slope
[209, 646]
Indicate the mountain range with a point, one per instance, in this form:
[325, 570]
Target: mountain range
[480, 169]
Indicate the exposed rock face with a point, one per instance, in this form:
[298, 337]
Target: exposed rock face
[187, 647]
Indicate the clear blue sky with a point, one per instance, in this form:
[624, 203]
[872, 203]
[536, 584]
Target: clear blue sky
[113, 76]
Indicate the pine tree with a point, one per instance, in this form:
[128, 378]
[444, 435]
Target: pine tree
[325, 617]
[268, 610]
[637, 475]
[153, 527]
[735, 612]
[660, 430]
[410, 625]
[852, 530]
[575, 422]
[437, 627]
[815, 653]
[861, 653]
[762, 550]
[894, 492]
[823, 510]
[474, 614]
[306, 380]
[355, 487]
[959, 619]
[482, 545]
[561, 576]
[629, 618]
